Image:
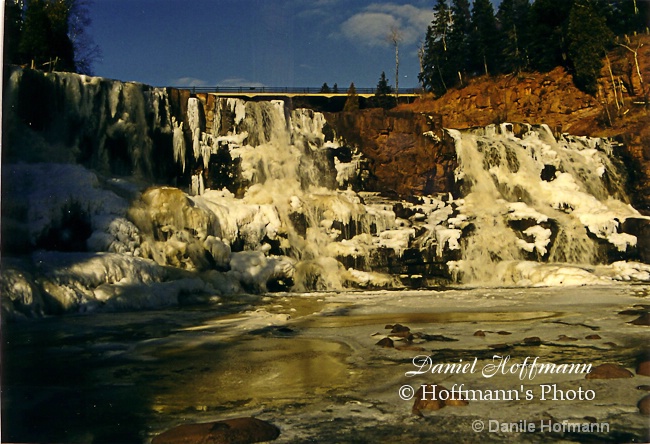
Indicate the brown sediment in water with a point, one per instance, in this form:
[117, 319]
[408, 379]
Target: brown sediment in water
[327, 321]
[267, 371]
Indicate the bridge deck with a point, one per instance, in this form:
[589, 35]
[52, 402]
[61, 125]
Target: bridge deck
[281, 94]
[265, 91]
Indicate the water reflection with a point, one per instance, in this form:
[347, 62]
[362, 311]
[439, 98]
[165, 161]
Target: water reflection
[123, 377]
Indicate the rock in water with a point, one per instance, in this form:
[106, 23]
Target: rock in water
[533, 340]
[421, 403]
[643, 368]
[430, 402]
[386, 343]
[644, 405]
[228, 431]
[641, 320]
[609, 371]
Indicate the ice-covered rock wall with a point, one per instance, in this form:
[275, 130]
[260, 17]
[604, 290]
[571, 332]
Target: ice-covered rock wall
[124, 196]
[527, 196]
[112, 127]
[286, 192]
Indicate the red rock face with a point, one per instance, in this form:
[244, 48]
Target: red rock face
[553, 99]
[403, 160]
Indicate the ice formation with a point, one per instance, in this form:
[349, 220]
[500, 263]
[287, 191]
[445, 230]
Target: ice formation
[269, 204]
[559, 200]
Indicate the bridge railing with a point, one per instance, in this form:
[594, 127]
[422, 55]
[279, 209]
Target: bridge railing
[284, 90]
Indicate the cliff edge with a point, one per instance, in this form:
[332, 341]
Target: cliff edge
[618, 110]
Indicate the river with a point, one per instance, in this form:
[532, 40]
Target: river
[309, 364]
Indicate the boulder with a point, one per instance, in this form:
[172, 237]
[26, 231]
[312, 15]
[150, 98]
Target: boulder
[644, 405]
[643, 368]
[228, 431]
[609, 371]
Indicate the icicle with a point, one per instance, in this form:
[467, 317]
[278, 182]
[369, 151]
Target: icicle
[178, 143]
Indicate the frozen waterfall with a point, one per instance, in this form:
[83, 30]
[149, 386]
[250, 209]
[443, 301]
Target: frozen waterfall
[166, 198]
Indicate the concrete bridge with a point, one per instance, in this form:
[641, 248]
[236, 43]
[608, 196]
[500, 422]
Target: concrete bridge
[261, 91]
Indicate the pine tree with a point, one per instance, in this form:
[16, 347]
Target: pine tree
[13, 29]
[50, 34]
[458, 42]
[383, 97]
[34, 42]
[383, 88]
[588, 38]
[437, 71]
[61, 47]
[352, 102]
[325, 88]
[483, 38]
[548, 21]
[513, 19]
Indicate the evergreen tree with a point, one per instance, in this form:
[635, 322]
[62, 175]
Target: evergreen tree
[483, 38]
[513, 18]
[335, 88]
[458, 42]
[548, 21]
[352, 102]
[34, 43]
[633, 16]
[13, 29]
[61, 47]
[383, 97]
[587, 38]
[437, 71]
[430, 64]
[383, 88]
[325, 88]
[50, 33]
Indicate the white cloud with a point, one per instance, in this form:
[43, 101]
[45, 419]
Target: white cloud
[322, 10]
[371, 26]
[189, 81]
[238, 81]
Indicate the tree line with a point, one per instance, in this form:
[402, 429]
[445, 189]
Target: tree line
[466, 40]
[50, 35]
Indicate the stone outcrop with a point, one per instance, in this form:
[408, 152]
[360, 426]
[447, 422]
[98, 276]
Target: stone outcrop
[551, 98]
[408, 153]
[512, 98]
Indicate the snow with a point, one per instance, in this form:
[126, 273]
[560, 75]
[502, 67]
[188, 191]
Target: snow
[504, 171]
[50, 190]
[285, 224]
[239, 107]
[542, 238]
[625, 271]
[448, 237]
[397, 240]
[254, 269]
[521, 211]
[365, 279]
[178, 143]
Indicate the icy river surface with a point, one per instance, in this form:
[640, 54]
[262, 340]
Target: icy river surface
[310, 365]
[174, 259]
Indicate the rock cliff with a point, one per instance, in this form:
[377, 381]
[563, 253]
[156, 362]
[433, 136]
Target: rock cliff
[407, 153]
[617, 110]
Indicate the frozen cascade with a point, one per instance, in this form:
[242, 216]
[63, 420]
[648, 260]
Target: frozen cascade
[288, 199]
[271, 201]
[532, 197]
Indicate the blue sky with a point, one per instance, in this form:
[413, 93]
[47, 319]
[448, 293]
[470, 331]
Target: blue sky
[257, 42]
